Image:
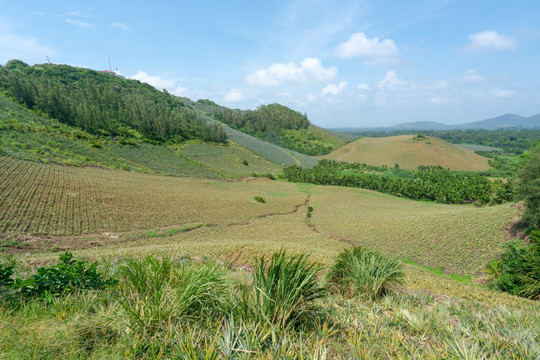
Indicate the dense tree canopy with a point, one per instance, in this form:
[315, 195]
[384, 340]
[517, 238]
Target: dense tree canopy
[528, 188]
[103, 103]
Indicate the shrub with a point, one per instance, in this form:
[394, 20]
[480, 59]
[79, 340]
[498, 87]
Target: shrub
[65, 277]
[285, 287]
[519, 268]
[160, 292]
[528, 186]
[362, 271]
[259, 199]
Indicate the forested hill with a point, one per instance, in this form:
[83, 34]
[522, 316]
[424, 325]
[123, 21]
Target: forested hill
[105, 104]
[282, 126]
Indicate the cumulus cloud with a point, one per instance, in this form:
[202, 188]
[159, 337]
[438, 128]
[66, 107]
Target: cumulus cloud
[234, 95]
[120, 26]
[14, 46]
[83, 25]
[491, 40]
[159, 83]
[390, 81]
[334, 89]
[155, 81]
[309, 70]
[360, 45]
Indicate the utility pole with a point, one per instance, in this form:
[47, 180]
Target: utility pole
[48, 61]
[110, 67]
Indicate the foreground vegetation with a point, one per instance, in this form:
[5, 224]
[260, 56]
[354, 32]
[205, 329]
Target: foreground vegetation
[193, 309]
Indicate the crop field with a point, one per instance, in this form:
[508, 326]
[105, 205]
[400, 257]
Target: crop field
[456, 238]
[58, 200]
[41, 199]
[230, 161]
[409, 154]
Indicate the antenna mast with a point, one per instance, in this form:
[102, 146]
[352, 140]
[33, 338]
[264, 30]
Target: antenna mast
[48, 61]
[110, 67]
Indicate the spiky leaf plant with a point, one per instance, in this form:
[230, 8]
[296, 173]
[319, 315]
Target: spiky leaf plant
[285, 287]
[360, 271]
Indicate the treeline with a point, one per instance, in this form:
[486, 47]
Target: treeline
[510, 141]
[427, 183]
[277, 124]
[267, 119]
[105, 104]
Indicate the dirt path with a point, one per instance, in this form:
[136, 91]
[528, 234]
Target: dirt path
[340, 158]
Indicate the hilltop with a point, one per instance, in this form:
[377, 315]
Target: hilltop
[77, 116]
[409, 151]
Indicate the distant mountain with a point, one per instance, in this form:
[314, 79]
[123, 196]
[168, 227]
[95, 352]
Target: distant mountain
[420, 125]
[507, 121]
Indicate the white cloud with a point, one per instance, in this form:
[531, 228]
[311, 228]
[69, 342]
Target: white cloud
[13, 46]
[83, 25]
[234, 95]
[120, 25]
[360, 45]
[155, 81]
[333, 89]
[364, 87]
[503, 94]
[491, 40]
[472, 76]
[390, 81]
[310, 70]
[160, 83]
[180, 91]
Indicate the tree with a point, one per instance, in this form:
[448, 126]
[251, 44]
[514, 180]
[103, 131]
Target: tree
[528, 187]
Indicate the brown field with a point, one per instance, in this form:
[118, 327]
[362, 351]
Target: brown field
[409, 154]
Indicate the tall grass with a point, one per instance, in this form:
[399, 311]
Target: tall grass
[285, 287]
[158, 294]
[360, 271]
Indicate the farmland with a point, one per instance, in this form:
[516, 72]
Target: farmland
[409, 152]
[40, 199]
[113, 215]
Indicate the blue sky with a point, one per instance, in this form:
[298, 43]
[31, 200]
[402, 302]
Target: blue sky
[344, 63]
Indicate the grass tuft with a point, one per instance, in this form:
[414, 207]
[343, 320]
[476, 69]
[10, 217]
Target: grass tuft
[360, 271]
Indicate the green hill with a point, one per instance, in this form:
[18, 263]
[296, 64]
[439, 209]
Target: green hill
[281, 126]
[409, 152]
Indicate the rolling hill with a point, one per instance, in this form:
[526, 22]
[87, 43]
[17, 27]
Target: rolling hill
[409, 152]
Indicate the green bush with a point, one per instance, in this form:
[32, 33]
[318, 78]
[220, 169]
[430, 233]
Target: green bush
[519, 268]
[158, 293]
[65, 277]
[361, 271]
[285, 288]
[5, 276]
[259, 199]
[528, 186]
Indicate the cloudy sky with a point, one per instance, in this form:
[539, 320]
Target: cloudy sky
[344, 63]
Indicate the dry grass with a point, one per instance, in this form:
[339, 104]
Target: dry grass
[409, 154]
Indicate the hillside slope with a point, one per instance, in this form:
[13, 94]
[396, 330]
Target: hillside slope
[409, 152]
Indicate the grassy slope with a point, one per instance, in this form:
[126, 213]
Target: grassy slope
[26, 135]
[408, 154]
[431, 316]
[59, 200]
